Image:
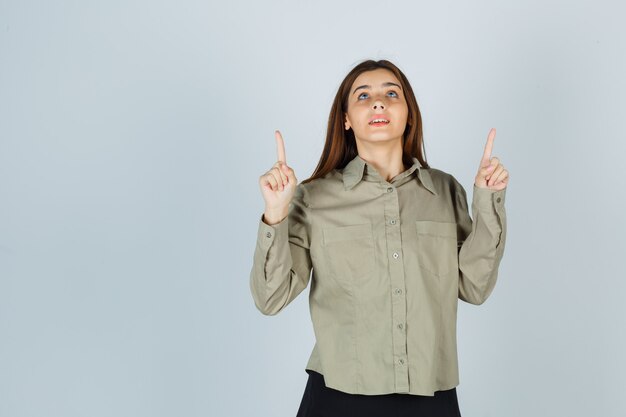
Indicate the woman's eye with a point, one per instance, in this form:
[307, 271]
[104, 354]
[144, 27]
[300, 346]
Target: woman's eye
[396, 94]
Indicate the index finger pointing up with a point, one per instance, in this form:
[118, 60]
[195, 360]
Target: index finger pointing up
[280, 147]
[488, 146]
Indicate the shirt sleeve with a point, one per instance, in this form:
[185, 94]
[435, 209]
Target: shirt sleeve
[480, 242]
[282, 265]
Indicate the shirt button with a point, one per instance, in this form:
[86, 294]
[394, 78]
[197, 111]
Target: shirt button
[401, 361]
[268, 234]
[392, 221]
[498, 199]
[398, 291]
[395, 255]
[400, 326]
[389, 189]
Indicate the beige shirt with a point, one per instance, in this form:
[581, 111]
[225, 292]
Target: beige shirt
[389, 261]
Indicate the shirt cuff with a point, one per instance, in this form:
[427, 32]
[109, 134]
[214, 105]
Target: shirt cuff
[267, 233]
[487, 200]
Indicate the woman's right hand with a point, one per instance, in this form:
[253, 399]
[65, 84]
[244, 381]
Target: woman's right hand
[278, 185]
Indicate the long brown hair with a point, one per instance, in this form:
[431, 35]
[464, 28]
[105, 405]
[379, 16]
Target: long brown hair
[340, 147]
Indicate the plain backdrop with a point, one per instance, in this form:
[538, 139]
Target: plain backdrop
[132, 138]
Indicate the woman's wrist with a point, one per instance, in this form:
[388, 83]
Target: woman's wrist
[273, 216]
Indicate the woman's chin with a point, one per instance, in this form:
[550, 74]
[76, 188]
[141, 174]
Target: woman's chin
[380, 137]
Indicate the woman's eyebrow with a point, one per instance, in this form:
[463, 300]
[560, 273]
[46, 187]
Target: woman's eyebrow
[382, 85]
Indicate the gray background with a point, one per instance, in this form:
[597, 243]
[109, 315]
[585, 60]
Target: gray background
[132, 138]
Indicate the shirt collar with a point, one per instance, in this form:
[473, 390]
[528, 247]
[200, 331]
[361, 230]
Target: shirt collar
[354, 171]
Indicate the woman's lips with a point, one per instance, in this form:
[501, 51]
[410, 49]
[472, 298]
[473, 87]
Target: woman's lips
[380, 118]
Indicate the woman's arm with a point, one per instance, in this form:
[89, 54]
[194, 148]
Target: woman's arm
[481, 241]
[282, 265]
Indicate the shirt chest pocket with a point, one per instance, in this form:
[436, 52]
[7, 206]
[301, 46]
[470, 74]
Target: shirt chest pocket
[437, 247]
[350, 252]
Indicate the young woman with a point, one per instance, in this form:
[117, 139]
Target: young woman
[391, 248]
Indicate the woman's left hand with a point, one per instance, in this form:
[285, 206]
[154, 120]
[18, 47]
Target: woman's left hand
[491, 173]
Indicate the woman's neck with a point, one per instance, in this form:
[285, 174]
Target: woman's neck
[386, 161]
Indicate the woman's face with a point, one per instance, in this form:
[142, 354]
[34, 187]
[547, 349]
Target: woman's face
[376, 94]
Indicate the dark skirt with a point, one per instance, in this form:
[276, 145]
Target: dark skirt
[320, 401]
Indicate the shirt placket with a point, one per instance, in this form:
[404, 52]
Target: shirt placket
[398, 288]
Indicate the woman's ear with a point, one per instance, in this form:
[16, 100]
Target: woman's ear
[347, 122]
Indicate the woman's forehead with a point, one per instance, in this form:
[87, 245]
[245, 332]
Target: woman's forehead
[377, 76]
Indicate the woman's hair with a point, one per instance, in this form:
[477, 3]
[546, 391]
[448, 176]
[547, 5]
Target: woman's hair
[340, 147]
